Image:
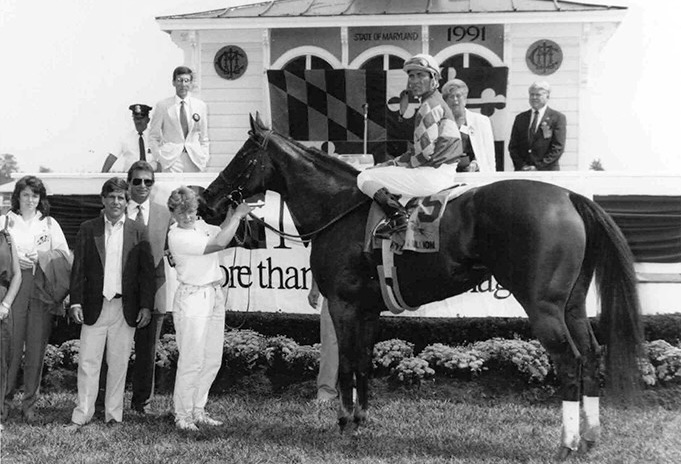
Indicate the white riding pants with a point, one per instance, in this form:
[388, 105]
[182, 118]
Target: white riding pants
[409, 182]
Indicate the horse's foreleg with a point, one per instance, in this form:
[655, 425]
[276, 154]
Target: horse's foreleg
[346, 324]
[365, 353]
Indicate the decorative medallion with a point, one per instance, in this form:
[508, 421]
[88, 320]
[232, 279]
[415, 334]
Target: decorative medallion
[230, 62]
[544, 57]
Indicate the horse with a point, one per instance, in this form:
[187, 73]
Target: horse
[540, 241]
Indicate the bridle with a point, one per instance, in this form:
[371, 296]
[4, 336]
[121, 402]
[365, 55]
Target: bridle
[235, 197]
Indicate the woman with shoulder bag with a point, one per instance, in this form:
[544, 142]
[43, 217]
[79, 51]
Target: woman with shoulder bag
[34, 234]
[10, 280]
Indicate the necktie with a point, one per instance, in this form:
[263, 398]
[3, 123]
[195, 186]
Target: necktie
[140, 215]
[143, 152]
[533, 124]
[183, 119]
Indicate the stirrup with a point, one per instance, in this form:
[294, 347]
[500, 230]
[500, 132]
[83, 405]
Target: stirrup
[387, 227]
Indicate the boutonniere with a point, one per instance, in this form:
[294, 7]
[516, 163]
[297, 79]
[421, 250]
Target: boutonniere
[196, 117]
[547, 132]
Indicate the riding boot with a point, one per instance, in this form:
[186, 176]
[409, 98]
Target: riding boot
[397, 214]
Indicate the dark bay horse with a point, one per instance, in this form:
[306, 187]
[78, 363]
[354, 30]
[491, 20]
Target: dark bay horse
[541, 242]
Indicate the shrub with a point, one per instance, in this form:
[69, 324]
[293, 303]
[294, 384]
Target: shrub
[389, 353]
[665, 359]
[528, 358]
[455, 361]
[167, 352]
[70, 350]
[53, 358]
[243, 351]
[303, 363]
[411, 371]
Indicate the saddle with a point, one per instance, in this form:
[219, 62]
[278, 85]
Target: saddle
[422, 235]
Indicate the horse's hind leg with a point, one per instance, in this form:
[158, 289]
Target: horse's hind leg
[548, 324]
[584, 338]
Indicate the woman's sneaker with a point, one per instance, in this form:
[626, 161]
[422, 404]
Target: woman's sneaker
[207, 420]
[186, 425]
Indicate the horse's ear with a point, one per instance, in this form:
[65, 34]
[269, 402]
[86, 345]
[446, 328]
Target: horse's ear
[252, 121]
[258, 121]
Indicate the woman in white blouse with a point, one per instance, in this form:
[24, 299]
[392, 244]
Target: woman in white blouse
[199, 304]
[33, 232]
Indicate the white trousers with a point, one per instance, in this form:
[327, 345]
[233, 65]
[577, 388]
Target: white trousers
[110, 331]
[199, 318]
[410, 182]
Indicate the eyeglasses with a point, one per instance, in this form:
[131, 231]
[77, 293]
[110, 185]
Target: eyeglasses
[147, 182]
[183, 80]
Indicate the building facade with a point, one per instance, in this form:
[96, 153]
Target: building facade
[270, 57]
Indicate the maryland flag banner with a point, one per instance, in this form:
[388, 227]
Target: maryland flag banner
[320, 105]
[329, 106]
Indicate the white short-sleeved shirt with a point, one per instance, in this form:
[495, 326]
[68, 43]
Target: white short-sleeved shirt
[193, 267]
[35, 235]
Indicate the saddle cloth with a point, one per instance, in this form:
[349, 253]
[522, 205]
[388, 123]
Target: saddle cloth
[423, 228]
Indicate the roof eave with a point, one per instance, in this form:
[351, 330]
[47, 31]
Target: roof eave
[172, 24]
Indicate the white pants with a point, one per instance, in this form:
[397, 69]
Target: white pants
[327, 379]
[199, 318]
[410, 182]
[110, 331]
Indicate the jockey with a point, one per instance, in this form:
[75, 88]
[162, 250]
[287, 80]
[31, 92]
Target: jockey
[427, 167]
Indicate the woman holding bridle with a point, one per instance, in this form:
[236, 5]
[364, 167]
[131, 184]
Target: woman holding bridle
[199, 304]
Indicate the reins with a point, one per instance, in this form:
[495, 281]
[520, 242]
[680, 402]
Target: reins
[304, 238]
[236, 196]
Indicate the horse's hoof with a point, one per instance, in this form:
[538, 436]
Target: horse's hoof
[586, 445]
[563, 453]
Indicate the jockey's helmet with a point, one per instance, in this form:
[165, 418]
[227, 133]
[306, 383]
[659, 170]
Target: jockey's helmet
[423, 62]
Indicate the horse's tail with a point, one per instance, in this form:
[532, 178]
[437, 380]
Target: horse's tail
[608, 254]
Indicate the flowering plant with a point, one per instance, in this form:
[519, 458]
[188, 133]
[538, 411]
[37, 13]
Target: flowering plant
[666, 360]
[279, 348]
[53, 358]
[70, 350]
[529, 358]
[167, 351]
[455, 360]
[243, 350]
[411, 371]
[388, 353]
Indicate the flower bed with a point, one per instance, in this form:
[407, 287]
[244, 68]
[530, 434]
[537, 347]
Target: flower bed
[285, 362]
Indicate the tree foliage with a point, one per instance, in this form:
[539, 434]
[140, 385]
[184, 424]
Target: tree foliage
[8, 165]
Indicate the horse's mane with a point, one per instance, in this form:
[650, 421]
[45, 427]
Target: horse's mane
[320, 158]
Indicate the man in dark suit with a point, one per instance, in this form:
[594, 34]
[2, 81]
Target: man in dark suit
[156, 217]
[112, 291]
[538, 135]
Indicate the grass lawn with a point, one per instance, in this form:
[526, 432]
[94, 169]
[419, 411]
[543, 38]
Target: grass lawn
[442, 422]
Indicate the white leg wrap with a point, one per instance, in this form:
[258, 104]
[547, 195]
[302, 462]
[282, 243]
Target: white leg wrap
[591, 410]
[571, 424]
[592, 416]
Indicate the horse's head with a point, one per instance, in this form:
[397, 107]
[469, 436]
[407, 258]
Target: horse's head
[245, 176]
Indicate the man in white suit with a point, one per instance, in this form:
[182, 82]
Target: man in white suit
[476, 129]
[179, 128]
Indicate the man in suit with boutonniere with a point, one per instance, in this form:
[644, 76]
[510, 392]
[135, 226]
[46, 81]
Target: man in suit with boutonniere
[178, 133]
[538, 135]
